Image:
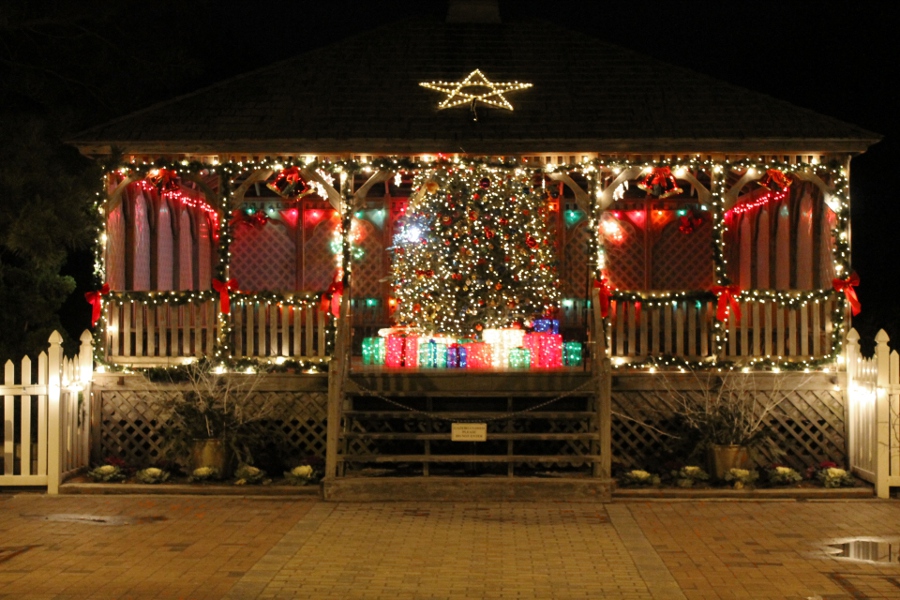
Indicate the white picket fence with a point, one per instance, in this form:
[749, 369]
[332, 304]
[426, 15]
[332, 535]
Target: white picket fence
[46, 416]
[873, 407]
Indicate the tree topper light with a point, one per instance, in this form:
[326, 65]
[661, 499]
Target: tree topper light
[475, 88]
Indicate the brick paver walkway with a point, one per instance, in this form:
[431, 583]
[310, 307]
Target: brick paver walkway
[215, 547]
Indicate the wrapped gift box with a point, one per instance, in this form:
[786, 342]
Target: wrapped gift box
[502, 341]
[402, 351]
[373, 350]
[432, 353]
[545, 326]
[545, 348]
[478, 355]
[572, 354]
[456, 356]
[520, 358]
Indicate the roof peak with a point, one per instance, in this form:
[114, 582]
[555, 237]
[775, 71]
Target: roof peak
[473, 11]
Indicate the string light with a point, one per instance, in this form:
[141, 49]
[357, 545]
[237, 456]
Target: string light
[594, 172]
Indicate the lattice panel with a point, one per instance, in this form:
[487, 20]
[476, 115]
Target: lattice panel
[369, 269]
[625, 257]
[576, 262]
[808, 426]
[319, 262]
[264, 257]
[683, 260]
[131, 422]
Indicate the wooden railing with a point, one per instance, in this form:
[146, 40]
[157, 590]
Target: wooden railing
[686, 329]
[264, 329]
[137, 332]
[767, 329]
[678, 328]
[147, 334]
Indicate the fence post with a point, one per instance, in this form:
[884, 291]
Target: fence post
[851, 420]
[882, 414]
[54, 413]
[86, 374]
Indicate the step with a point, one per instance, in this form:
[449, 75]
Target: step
[466, 458]
[469, 416]
[467, 489]
[354, 435]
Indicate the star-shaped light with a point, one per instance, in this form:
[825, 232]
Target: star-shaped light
[460, 92]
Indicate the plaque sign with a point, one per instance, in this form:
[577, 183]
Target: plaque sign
[468, 432]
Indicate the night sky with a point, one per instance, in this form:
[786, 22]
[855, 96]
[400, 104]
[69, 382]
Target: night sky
[841, 63]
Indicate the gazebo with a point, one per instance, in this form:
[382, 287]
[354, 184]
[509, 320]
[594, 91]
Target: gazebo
[446, 231]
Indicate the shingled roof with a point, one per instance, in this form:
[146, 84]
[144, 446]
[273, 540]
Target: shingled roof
[362, 95]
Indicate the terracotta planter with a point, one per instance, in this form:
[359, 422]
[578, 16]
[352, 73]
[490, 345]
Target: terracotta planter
[723, 458]
[210, 453]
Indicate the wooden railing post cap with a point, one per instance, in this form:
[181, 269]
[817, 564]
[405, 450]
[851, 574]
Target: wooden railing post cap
[882, 337]
[86, 337]
[853, 335]
[56, 338]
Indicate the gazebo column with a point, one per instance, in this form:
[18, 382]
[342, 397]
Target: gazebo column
[346, 202]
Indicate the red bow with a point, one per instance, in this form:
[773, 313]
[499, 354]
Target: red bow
[165, 179]
[846, 286]
[289, 184]
[605, 293]
[257, 219]
[660, 182]
[332, 298]
[775, 180]
[223, 289]
[726, 294]
[96, 301]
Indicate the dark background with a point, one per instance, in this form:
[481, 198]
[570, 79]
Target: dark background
[75, 64]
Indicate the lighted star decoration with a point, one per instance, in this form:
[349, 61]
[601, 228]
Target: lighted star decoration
[475, 88]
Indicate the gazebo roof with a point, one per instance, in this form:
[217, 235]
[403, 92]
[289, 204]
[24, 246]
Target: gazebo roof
[362, 95]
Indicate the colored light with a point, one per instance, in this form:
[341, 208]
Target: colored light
[572, 354]
[519, 358]
[479, 355]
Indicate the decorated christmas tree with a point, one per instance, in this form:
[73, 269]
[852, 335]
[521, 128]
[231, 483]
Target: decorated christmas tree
[474, 251]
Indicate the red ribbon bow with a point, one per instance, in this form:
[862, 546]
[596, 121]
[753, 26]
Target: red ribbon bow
[726, 294]
[660, 182]
[846, 286]
[332, 298]
[775, 180]
[602, 287]
[223, 287]
[95, 299]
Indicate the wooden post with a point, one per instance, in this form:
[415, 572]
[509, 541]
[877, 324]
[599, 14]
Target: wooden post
[338, 368]
[603, 377]
[334, 416]
[86, 375]
[54, 414]
[851, 420]
[882, 414]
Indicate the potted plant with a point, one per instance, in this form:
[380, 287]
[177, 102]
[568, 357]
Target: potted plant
[216, 419]
[729, 411]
